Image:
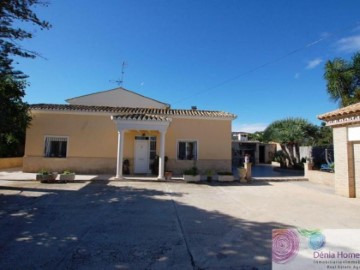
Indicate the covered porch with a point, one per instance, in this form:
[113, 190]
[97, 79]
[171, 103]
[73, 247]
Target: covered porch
[143, 123]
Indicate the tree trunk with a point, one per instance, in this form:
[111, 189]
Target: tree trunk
[288, 149]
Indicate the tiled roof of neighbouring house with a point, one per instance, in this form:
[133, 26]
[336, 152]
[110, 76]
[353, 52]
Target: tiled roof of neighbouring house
[128, 112]
[346, 111]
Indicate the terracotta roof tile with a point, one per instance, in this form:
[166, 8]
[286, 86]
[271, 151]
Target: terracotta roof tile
[125, 111]
[346, 111]
[141, 116]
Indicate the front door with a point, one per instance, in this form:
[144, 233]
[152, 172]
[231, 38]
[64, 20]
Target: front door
[141, 156]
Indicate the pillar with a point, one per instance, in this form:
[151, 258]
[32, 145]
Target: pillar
[162, 156]
[247, 166]
[120, 155]
[344, 163]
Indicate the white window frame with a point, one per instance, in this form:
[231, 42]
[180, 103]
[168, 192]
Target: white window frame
[56, 136]
[187, 141]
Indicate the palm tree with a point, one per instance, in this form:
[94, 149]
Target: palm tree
[343, 80]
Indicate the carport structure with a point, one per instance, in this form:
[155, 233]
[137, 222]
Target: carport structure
[346, 131]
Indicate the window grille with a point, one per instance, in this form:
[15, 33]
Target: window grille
[56, 147]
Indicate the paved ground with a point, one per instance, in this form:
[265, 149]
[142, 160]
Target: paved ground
[148, 225]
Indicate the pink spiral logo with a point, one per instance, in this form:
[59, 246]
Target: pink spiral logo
[285, 245]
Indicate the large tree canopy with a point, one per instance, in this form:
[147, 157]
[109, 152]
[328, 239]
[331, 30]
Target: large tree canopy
[12, 12]
[14, 116]
[290, 133]
[343, 80]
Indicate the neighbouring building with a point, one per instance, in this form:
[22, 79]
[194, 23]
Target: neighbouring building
[346, 135]
[95, 133]
[258, 152]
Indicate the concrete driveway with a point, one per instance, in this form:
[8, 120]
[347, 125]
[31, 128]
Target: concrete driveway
[147, 225]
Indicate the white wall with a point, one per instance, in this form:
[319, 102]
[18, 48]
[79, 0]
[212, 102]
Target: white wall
[117, 98]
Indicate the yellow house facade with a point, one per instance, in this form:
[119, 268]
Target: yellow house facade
[88, 138]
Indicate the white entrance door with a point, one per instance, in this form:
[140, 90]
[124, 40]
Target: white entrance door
[141, 156]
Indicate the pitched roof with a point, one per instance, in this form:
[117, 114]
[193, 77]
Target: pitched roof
[132, 112]
[75, 100]
[343, 112]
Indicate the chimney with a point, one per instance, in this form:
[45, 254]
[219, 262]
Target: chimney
[194, 108]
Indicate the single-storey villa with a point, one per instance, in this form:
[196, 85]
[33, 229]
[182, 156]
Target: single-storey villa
[346, 131]
[95, 133]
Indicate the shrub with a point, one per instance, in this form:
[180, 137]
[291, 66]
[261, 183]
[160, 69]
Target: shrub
[67, 172]
[192, 171]
[44, 172]
[281, 158]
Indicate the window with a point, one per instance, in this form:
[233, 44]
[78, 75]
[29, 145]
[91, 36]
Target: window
[152, 148]
[187, 150]
[56, 147]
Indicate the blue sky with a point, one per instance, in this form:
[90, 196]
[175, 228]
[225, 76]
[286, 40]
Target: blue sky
[257, 59]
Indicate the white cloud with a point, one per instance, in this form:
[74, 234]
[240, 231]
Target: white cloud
[297, 75]
[251, 128]
[349, 44]
[314, 63]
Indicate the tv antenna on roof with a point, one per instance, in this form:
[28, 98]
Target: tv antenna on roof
[121, 81]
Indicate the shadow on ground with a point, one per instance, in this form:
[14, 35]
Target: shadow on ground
[104, 226]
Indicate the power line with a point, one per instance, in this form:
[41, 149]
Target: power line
[276, 60]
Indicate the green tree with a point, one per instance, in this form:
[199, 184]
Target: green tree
[12, 12]
[291, 133]
[256, 136]
[343, 80]
[14, 116]
[324, 136]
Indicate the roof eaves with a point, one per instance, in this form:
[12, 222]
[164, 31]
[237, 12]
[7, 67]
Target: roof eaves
[125, 110]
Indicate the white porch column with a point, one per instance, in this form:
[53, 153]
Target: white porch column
[162, 156]
[120, 154]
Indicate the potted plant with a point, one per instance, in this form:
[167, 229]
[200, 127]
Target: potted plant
[67, 175]
[209, 175]
[155, 168]
[192, 175]
[44, 176]
[126, 167]
[168, 175]
[225, 177]
[242, 174]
